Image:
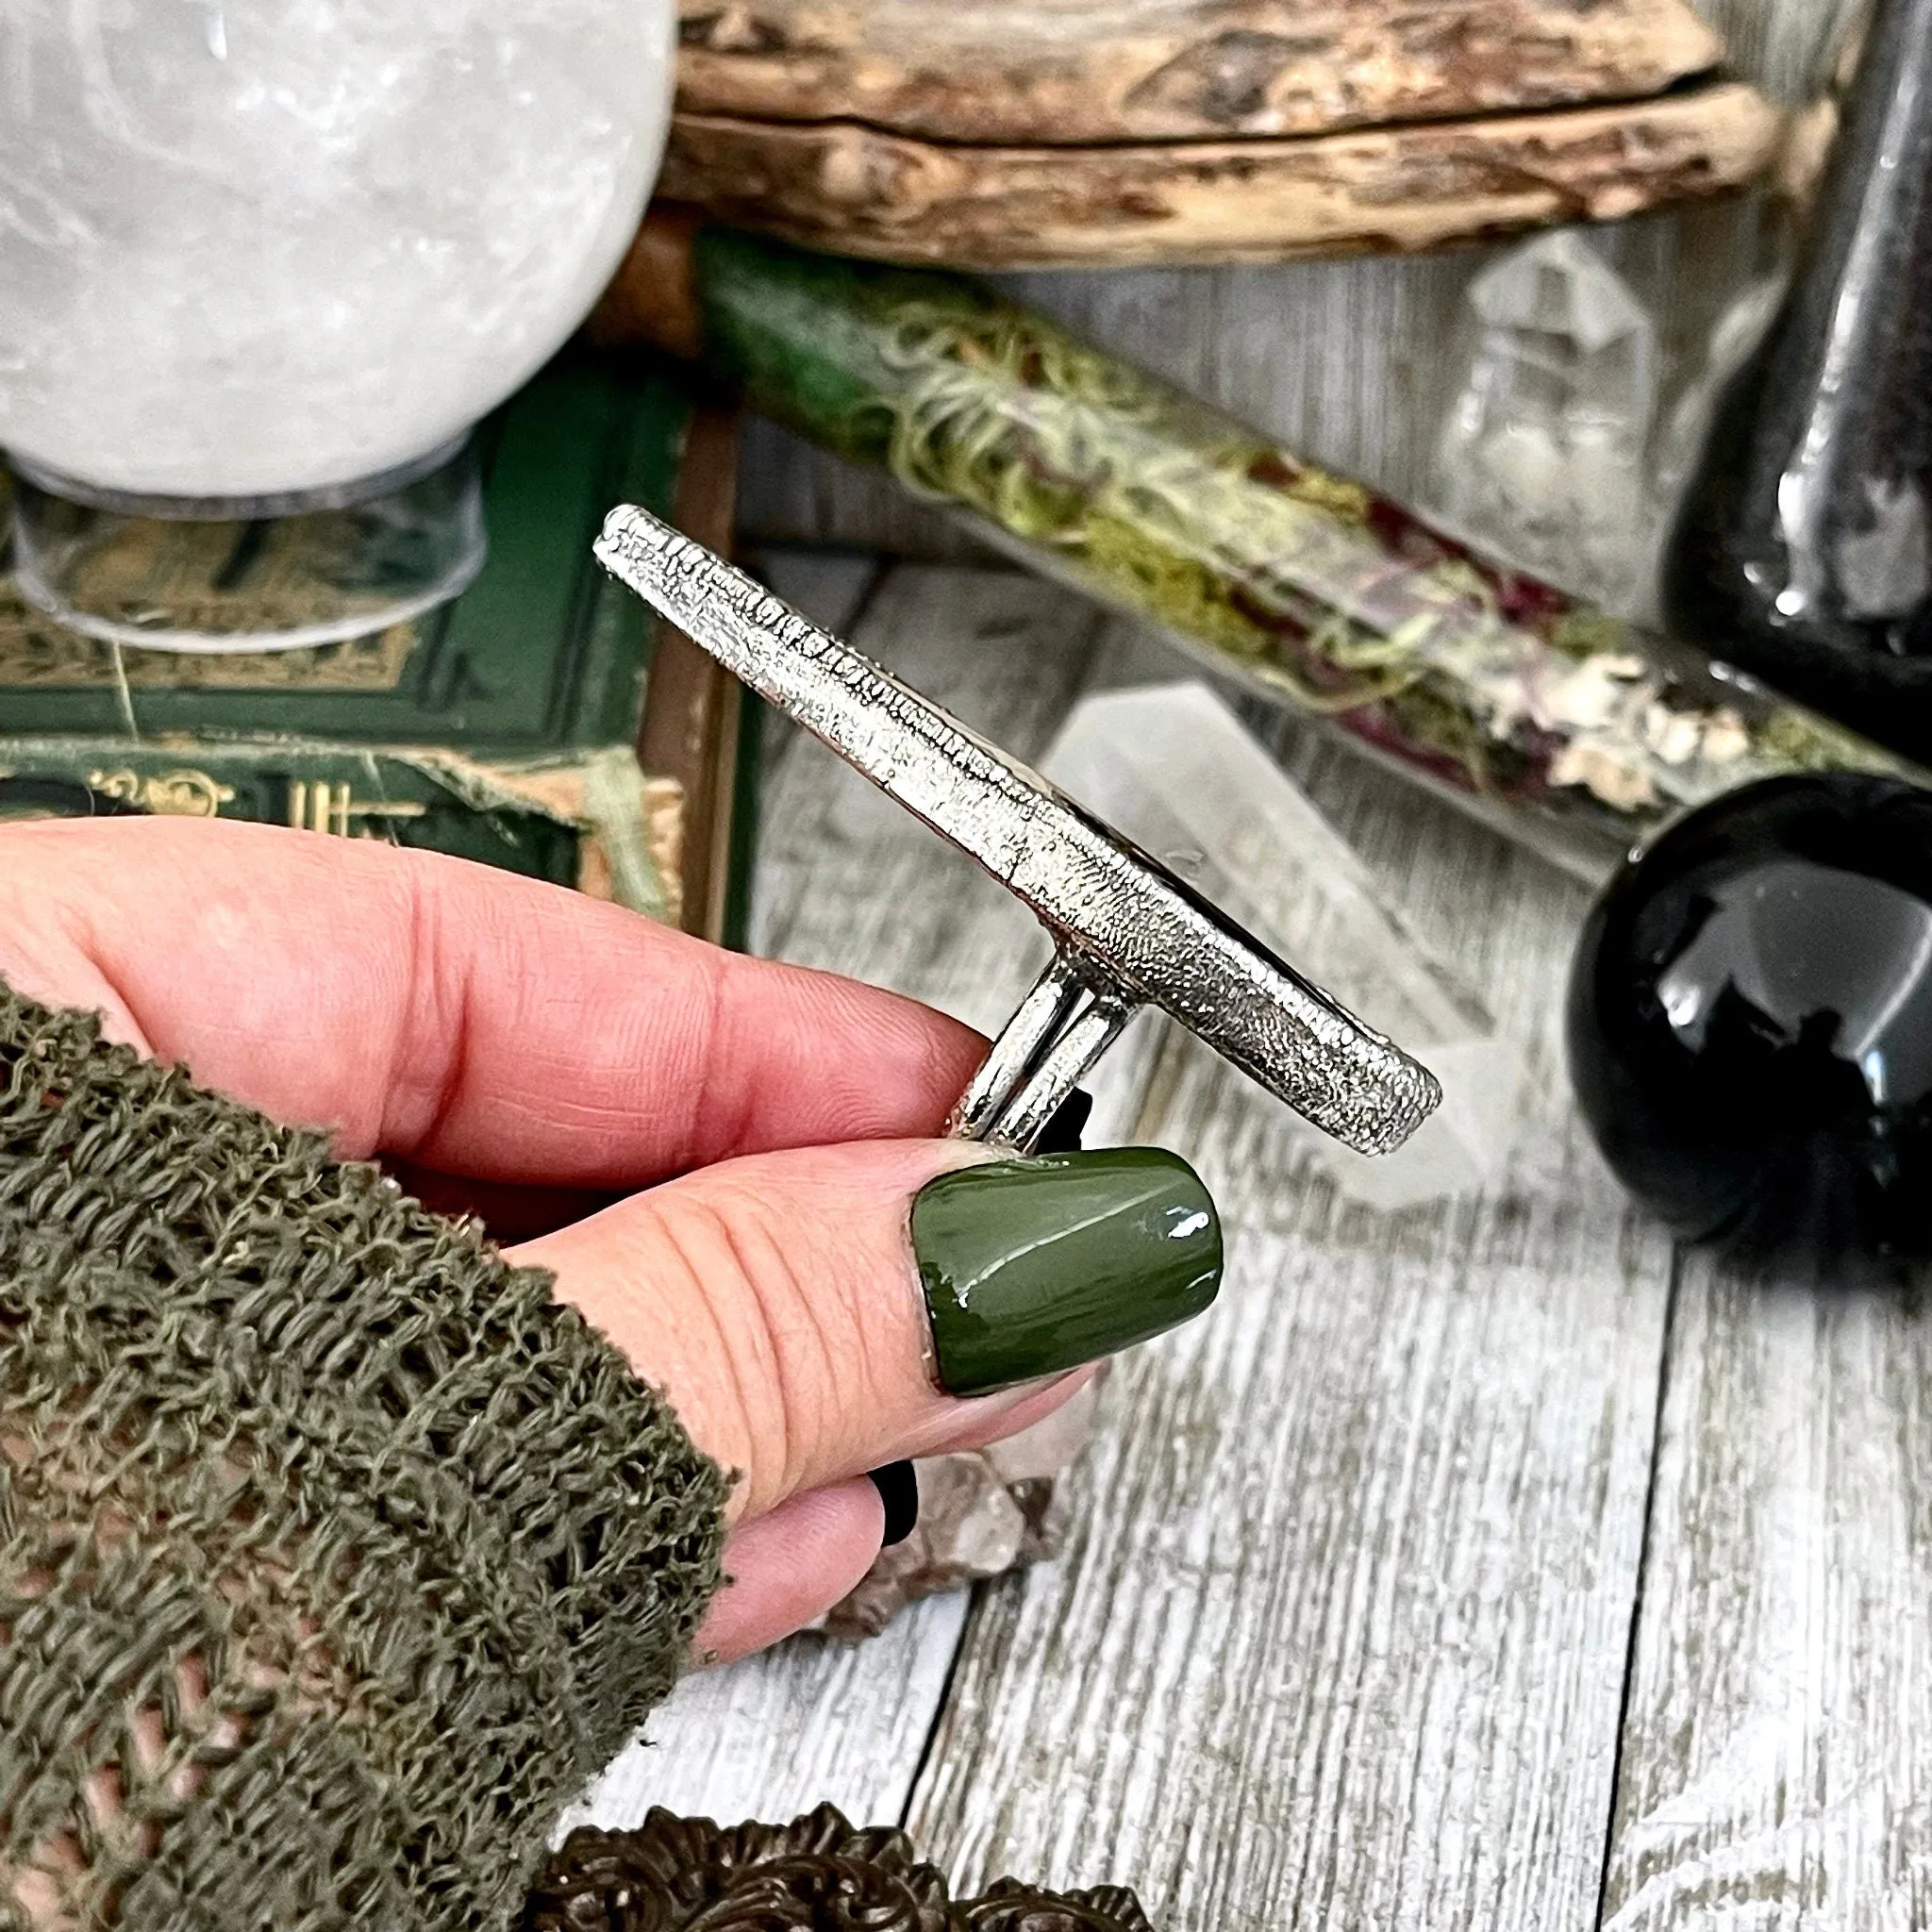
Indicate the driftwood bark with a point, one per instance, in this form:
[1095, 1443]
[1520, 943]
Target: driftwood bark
[853, 189]
[1069, 71]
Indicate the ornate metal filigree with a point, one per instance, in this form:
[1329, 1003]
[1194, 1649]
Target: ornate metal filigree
[819, 1873]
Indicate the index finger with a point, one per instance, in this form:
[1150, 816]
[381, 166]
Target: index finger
[463, 1018]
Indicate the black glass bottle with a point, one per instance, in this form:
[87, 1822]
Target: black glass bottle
[1802, 551]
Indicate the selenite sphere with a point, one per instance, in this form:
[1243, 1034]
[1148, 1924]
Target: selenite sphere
[1751, 1024]
[283, 245]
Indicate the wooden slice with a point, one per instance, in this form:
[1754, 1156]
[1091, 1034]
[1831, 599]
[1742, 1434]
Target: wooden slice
[853, 189]
[1060, 72]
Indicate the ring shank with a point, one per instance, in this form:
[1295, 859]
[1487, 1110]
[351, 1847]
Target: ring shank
[1071, 1017]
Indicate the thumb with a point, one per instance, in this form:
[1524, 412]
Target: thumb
[815, 1313]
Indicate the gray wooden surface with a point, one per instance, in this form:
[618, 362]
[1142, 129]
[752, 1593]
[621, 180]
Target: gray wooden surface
[1468, 1568]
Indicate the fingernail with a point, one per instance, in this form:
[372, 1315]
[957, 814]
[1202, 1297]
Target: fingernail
[898, 1489]
[1032, 1267]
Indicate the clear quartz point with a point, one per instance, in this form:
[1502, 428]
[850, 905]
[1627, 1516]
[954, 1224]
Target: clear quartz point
[1541, 456]
[1171, 767]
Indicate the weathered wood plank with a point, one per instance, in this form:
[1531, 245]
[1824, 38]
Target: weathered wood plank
[1777, 1757]
[1342, 1635]
[812, 1721]
[848, 881]
[792, 493]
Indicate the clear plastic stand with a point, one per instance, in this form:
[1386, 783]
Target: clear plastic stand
[257, 574]
[1173, 767]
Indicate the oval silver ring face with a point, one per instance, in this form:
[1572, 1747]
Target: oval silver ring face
[1127, 933]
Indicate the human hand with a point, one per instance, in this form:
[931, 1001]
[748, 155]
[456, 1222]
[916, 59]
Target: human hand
[716, 1157]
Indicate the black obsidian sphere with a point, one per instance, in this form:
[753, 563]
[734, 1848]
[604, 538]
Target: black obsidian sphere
[1750, 1024]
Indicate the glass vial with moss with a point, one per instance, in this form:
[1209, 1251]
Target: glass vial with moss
[1561, 724]
[1804, 548]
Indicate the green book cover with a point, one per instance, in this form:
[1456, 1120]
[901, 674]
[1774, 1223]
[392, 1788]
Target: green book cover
[502, 727]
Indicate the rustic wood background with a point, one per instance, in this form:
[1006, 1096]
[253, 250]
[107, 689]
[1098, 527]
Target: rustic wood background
[1349, 362]
[1486, 1566]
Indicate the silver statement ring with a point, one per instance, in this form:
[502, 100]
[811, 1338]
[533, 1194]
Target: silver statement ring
[1126, 932]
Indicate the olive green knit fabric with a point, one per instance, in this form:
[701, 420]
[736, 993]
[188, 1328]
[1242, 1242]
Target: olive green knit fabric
[333, 1554]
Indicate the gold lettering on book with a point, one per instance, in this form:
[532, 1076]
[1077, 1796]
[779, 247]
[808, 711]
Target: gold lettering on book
[321, 806]
[184, 793]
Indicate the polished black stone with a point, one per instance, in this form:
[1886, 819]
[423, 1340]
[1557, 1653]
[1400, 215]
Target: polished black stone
[1750, 1024]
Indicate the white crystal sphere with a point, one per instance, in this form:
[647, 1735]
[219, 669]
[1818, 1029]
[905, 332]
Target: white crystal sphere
[274, 246]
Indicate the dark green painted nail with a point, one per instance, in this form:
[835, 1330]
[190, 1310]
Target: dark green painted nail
[1032, 1267]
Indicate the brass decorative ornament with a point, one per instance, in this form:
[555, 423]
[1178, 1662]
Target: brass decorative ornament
[183, 794]
[819, 1873]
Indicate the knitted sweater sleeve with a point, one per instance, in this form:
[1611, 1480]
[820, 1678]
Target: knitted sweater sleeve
[334, 1554]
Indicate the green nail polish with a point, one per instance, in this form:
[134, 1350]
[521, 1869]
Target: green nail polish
[1032, 1267]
